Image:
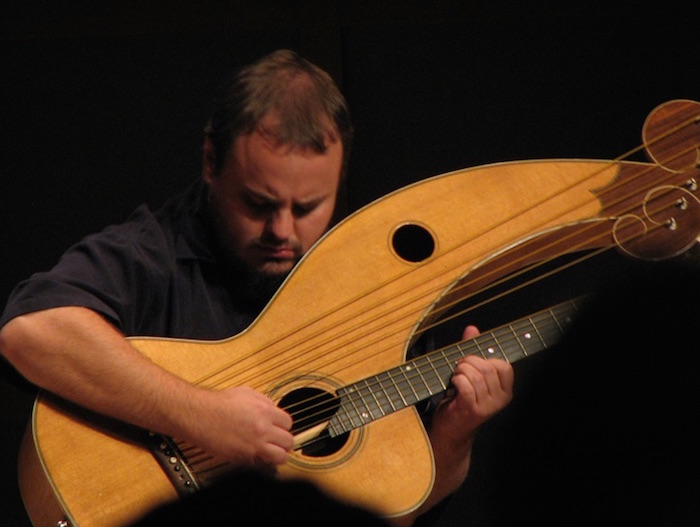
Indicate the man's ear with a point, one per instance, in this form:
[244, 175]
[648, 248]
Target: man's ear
[208, 161]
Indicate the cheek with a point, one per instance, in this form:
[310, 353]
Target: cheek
[238, 230]
[313, 227]
[243, 229]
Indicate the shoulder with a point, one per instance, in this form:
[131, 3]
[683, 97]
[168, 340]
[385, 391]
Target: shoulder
[151, 234]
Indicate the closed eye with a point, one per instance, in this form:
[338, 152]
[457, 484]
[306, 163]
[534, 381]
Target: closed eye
[301, 210]
[260, 206]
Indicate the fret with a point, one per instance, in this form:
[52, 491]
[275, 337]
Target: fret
[457, 351]
[415, 378]
[500, 337]
[421, 366]
[341, 421]
[431, 375]
[547, 328]
[536, 333]
[488, 346]
[385, 396]
[352, 410]
[406, 389]
[527, 337]
[392, 391]
[563, 317]
[478, 347]
[362, 400]
[425, 376]
[515, 349]
[368, 392]
[554, 317]
[449, 358]
[446, 368]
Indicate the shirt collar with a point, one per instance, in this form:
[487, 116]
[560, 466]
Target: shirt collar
[195, 239]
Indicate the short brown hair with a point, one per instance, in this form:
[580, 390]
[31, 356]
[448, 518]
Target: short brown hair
[309, 104]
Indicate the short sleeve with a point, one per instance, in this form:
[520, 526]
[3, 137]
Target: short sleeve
[121, 273]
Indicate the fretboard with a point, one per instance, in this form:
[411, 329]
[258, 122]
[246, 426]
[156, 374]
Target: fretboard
[430, 374]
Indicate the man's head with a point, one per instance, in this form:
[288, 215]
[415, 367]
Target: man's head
[275, 151]
[310, 105]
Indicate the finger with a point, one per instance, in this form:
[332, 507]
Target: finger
[276, 446]
[477, 380]
[497, 374]
[465, 395]
[506, 375]
[281, 438]
[477, 370]
[272, 455]
[277, 415]
[470, 332]
[468, 382]
[281, 418]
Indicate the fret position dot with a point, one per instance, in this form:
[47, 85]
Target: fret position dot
[528, 336]
[490, 350]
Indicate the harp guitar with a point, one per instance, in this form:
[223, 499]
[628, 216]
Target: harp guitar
[331, 346]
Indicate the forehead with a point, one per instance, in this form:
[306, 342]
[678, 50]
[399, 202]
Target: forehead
[260, 164]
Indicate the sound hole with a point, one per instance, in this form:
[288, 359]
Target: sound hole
[310, 407]
[413, 243]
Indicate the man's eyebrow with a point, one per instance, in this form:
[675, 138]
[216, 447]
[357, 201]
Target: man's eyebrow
[314, 200]
[256, 195]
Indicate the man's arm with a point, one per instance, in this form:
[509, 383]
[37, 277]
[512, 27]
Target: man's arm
[74, 353]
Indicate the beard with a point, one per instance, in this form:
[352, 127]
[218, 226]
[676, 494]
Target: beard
[251, 288]
[258, 287]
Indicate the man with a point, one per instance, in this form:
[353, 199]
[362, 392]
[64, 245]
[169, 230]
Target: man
[203, 267]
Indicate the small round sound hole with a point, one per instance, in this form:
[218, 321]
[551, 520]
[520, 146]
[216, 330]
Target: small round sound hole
[413, 243]
[310, 407]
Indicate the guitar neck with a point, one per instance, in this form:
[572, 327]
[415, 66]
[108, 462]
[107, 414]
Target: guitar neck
[428, 375]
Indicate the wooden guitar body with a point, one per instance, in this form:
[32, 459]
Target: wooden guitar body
[349, 310]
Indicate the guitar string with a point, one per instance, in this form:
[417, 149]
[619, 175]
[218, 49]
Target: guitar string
[322, 415]
[334, 337]
[448, 356]
[507, 292]
[422, 370]
[307, 407]
[220, 464]
[502, 343]
[364, 411]
[402, 375]
[215, 467]
[634, 151]
[233, 364]
[210, 467]
[525, 284]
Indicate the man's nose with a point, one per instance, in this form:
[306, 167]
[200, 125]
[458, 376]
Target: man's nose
[280, 224]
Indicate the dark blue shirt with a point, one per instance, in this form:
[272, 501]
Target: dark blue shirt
[154, 275]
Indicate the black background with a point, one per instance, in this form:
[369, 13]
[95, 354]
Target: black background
[103, 105]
